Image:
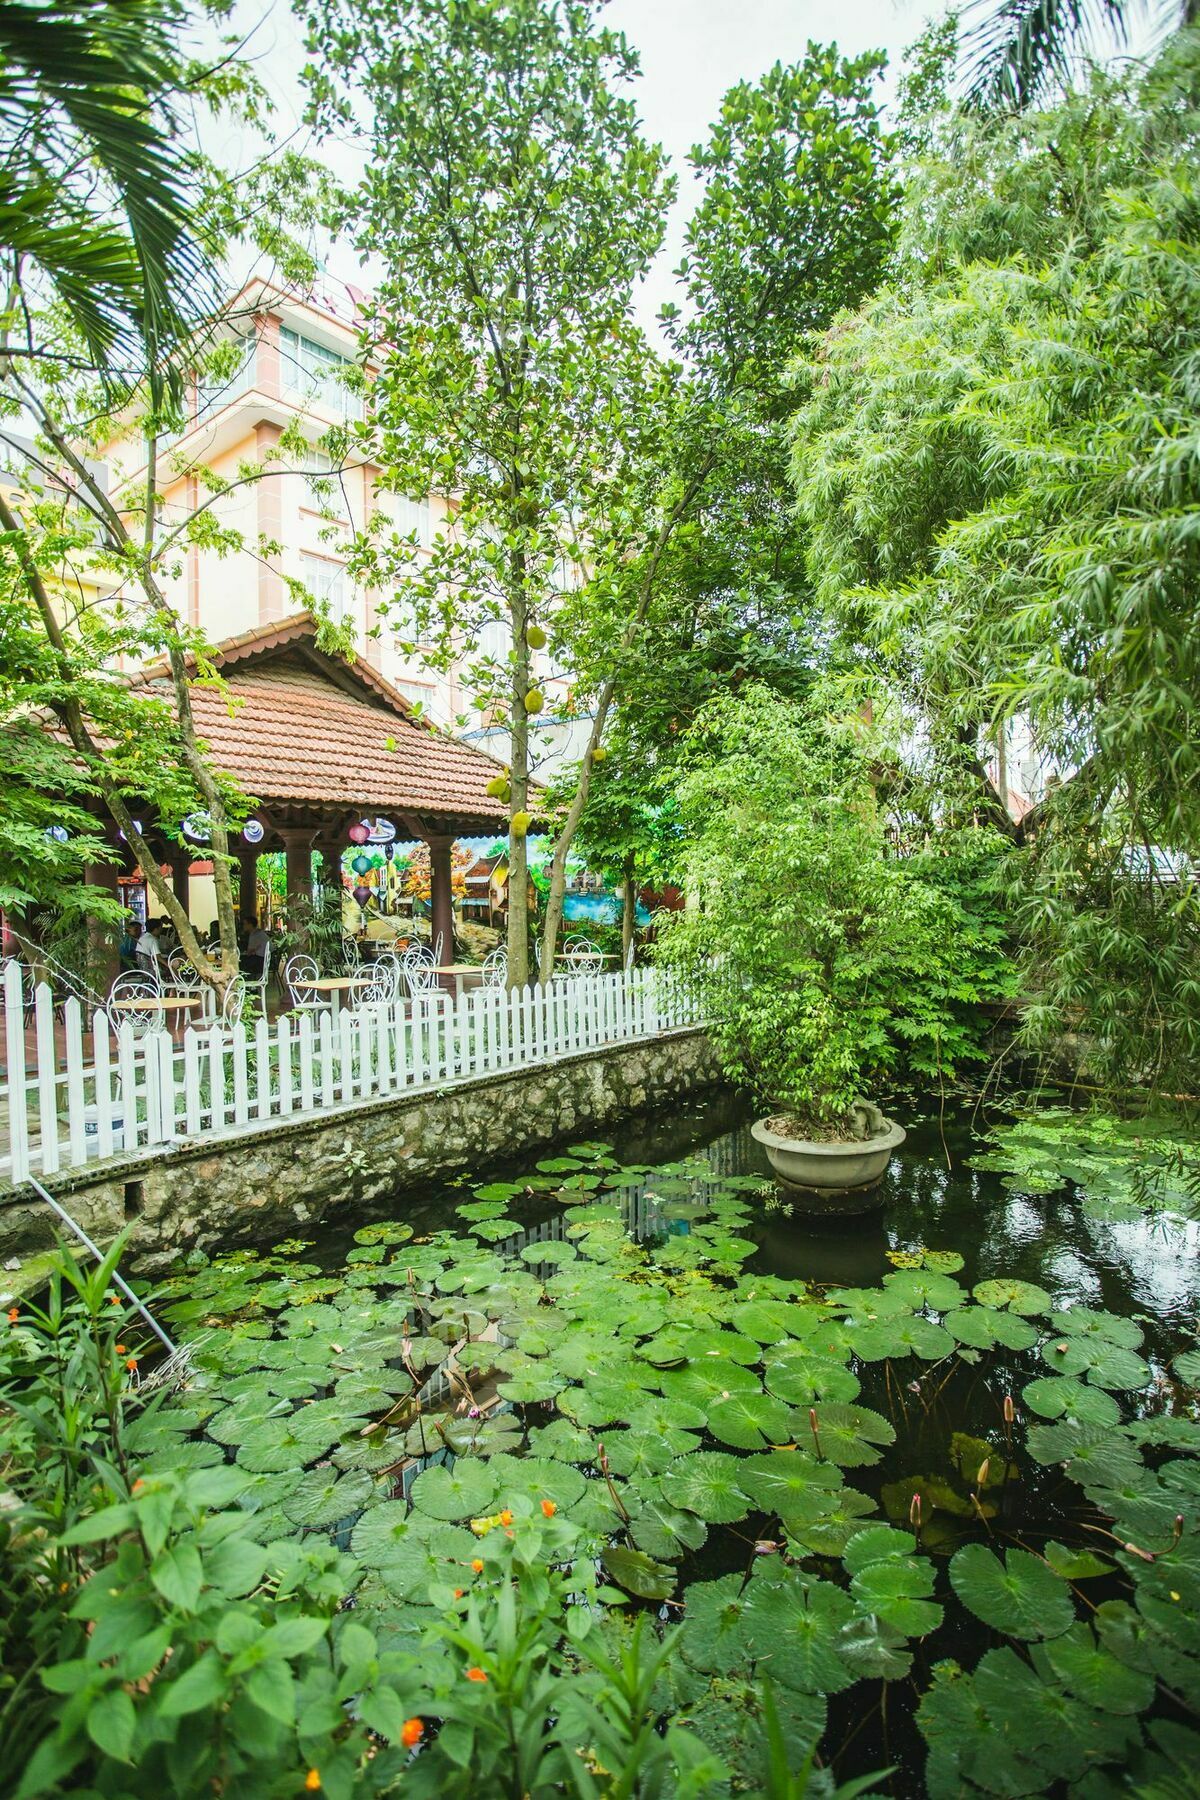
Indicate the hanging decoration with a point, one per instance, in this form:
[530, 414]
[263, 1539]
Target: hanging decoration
[253, 831]
[361, 864]
[358, 834]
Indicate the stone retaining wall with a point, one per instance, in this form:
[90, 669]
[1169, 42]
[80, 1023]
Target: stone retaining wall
[286, 1176]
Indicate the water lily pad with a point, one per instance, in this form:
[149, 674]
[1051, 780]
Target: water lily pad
[1021, 1596]
[901, 1336]
[776, 1480]
[704, 1381]
[638, 1573]
[1085, 1321]
[824, 1523]
[1054, 1397]
[803, 1380]
[439, 1556]
[926, 1287]
[660, 1528]
[1013, 1296]
[706, 1483]
[714, 1635]
[324, 1497]
[1106, 1365]
[749, 1421]
[851, 1435]
[897, 1591]
[646, 1452]
[463, 1492]
[1090, 1671]
[984, 1327]
[876, 1543]
[793, 1625]
[563, 1441]
[1187, 1366]
[551, 1250]
[875, 1650]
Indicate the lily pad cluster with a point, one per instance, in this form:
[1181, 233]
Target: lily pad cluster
[1122, 1167]
[780, 1466]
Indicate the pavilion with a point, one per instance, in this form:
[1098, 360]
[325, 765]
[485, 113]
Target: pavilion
[317, 744]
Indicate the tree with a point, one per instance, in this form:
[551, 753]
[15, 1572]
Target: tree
[827, 965]
[515, 204]
[84, 368]
[994, 463]
[1023, 50]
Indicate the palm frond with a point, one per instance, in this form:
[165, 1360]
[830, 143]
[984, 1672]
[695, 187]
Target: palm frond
[1020, 48]
[88, 99]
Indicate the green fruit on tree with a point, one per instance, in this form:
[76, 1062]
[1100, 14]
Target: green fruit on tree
[535, 637]
[534, 700]
[497, 787]
[599, 753]
[520, 823]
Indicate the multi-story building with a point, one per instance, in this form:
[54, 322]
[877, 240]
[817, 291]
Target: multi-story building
[295, 352]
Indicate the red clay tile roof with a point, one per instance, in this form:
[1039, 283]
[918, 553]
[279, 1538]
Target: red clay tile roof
[309, 730]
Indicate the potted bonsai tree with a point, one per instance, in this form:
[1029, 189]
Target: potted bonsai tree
[818, 957]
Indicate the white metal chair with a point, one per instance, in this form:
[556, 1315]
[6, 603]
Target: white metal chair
[419, 974]
[390, 970]
[299, 972]
[583, 957]
[234, 1003]
[351, 955]
[495, 968]
[135, 984]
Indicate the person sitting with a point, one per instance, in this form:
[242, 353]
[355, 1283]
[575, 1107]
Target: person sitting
[127, 946]
[257, 944]
[149, 949]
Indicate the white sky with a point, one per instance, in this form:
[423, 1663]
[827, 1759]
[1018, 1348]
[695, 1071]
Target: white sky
[691, 51]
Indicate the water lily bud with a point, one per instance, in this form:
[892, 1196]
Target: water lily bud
[1010, 1411]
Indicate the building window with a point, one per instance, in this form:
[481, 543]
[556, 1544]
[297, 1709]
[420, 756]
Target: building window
[322, 488]
[312, 372]
[213, 394]
[495, 640]
[413, 516]
[326, 580]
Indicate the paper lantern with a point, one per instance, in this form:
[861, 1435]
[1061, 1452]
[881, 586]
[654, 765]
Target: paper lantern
[362, 894]
[361, 864]
[358, 834]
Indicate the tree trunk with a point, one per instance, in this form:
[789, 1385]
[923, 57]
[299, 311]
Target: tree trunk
[628, 913]
[518, 855]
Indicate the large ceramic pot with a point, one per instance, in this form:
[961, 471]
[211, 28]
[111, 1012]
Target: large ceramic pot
[837, 1172]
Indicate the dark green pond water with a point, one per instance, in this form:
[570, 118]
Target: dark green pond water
[947, 1410]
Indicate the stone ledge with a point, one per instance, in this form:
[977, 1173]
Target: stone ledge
[297, 1171]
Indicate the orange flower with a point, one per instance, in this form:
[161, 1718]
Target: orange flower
[476, 1675]
[114, 1299]
[312, 1781]
[131, 1362]
[549, 1508]
[506, 1517]
[413, 1732]
[477, 1564]
[139, 1483]
[13, 1314]
[459, 1592]
[121, 1350]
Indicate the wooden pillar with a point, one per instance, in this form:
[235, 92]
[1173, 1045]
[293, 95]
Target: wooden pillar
[247, 856]
[297, 846]
[441, 893]
[103, 959]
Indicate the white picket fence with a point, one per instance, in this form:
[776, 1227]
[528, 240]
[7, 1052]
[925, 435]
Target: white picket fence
[85, 1089]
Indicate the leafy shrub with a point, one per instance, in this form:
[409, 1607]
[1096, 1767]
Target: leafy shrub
[827, 965]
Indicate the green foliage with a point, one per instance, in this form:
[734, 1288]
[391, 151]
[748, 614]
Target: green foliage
[828, 966]
[994, 464]
[1121, 1166]
[325, 1610]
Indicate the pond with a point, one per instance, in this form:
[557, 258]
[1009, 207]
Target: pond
[931, 1474]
